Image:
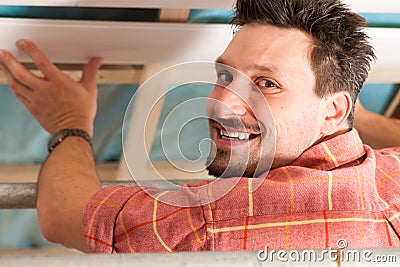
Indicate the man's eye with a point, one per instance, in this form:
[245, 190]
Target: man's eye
[224, 78]
[266, 84]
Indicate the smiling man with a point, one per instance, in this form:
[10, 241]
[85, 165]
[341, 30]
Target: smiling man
[273, 64]
[309, 59]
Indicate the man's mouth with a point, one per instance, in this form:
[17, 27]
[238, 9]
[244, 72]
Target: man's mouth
[231, 132]
[231, 135]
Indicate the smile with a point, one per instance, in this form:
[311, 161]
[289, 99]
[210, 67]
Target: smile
[238, 136]
[234, 135]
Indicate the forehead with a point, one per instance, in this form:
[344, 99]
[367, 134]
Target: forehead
[264, 45]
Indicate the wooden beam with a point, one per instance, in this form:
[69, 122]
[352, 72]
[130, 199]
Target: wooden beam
[178, 15]
[123, 74]
[26, 173]
[396, 113]
[131, 134]
[393, 109]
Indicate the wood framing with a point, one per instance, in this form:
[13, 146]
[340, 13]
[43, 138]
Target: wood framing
[26, 173]
[108, 74]
[174, 15]
[394, 108]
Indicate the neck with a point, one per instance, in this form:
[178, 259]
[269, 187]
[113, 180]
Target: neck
[328, 137]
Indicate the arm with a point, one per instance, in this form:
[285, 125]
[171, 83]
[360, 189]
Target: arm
[376, 130]
[68, 177]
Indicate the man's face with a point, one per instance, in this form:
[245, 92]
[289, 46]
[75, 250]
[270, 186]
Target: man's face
[277, 61]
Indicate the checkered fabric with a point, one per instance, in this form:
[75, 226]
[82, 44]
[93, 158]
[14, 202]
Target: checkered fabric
[338, 189]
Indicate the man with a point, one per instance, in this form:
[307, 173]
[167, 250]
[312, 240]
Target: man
[309, 59]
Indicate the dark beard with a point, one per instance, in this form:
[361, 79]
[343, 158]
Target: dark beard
[221, 169]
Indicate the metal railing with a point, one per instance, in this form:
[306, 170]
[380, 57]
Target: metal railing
[23, 195]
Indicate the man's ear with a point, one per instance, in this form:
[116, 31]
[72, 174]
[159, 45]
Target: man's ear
[338, 108]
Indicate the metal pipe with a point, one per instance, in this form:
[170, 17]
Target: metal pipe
[17, 195]
[23, 195]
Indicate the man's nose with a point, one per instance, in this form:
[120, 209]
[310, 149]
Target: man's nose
[229, 103]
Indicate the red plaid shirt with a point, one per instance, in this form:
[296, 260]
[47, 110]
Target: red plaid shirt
[338, 189]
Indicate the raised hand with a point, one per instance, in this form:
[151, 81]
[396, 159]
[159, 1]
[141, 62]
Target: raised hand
[55, 100]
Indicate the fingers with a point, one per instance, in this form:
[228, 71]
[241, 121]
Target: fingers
[50, 71]
[39, 59]
[18, 71]
[89, 75]
[23, 93]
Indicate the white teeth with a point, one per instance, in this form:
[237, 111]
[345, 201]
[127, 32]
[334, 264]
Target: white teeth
[243, 136]
[235, 135]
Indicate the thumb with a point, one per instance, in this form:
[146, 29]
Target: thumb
[89, 74]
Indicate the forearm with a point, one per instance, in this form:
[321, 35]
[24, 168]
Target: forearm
[376, 130]
[67, 180]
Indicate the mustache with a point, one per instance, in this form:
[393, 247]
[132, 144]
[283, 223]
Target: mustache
[236, 123]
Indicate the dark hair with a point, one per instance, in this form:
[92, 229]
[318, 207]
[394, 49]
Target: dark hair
[341, 54]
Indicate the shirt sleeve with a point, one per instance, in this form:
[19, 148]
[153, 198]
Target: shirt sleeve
[128, 219]
[388, 184]
[100, 216]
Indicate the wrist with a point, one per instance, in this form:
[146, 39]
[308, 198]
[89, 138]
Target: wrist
[76, 124]
[60, 136]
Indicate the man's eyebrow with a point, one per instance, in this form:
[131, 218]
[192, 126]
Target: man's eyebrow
[263, 68]
[220, 60]
[253, 67]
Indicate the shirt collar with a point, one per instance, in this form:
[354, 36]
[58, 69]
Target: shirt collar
[333, 153]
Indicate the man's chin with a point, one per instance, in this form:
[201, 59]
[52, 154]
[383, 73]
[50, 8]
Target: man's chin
[219, 171]
[222, 165]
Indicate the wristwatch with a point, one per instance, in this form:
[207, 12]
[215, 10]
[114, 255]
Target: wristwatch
[61, 135]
